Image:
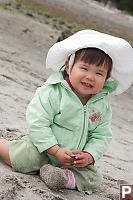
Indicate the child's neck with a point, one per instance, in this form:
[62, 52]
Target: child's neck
[83, 99]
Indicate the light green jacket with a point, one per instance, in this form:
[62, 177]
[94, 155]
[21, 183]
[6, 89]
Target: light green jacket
[56, 116]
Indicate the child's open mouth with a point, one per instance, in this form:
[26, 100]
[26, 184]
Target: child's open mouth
[87, 85]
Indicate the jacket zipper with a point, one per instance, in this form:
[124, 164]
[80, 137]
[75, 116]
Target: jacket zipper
[84, 124]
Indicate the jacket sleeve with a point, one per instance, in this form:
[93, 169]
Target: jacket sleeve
[99, 139]
[39, 116]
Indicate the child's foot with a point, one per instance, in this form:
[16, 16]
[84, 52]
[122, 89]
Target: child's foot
[56, 178]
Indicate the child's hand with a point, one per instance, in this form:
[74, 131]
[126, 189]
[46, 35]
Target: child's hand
[64, 157]
[83, 159]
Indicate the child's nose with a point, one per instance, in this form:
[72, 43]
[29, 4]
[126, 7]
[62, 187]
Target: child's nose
[90, 76]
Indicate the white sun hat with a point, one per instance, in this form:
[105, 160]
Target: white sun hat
[118, 49]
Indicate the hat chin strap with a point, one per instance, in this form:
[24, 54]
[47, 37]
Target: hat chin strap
[71, 61]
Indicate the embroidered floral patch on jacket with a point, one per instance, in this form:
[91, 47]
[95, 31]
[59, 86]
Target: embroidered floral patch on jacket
[95, 117]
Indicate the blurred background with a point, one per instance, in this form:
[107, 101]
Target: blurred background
[110, 16]
[125, 5]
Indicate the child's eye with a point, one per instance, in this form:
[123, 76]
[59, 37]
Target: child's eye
[100, 74]
[84, 68]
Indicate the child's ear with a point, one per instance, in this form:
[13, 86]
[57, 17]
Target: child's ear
[67, 66]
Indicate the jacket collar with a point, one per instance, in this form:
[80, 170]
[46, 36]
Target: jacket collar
[55, 78]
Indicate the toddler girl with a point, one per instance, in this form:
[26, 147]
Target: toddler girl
[69, 117]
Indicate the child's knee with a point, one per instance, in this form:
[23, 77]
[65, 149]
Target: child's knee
[25, 157]
[3, 147]
[4, 151]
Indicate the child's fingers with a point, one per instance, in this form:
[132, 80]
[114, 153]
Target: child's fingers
[67, 157]
[79, 157]
[68, 153]
[76, 152]
[79, 161]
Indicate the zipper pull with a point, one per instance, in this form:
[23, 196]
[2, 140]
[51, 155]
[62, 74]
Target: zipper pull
[85, 108]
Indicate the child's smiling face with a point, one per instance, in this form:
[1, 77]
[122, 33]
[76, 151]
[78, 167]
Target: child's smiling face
[87, 79]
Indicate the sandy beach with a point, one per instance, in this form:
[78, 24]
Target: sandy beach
[24, 43]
